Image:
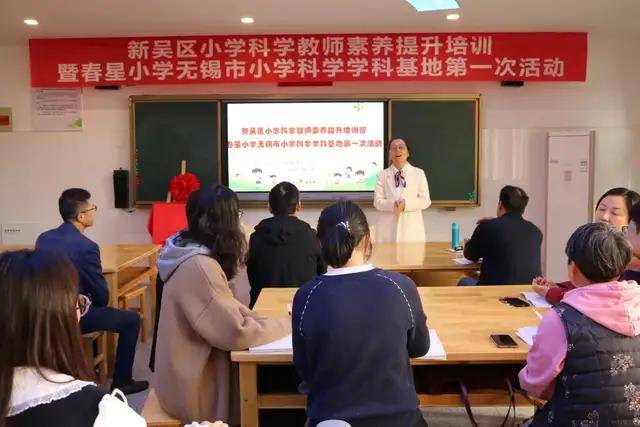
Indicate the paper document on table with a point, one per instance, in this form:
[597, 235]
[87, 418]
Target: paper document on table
[527, 334]
[463, 261]
[536, 300]
[436, 349]
[283, 345]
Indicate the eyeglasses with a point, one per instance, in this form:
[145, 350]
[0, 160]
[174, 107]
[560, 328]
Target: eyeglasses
[83, 305]
[93, 208]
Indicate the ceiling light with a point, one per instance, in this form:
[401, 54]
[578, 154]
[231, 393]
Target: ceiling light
[247, 20]
[430, 5]
[30, 21]
[453, 17]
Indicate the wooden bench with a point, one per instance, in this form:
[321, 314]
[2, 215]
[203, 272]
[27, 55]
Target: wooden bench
[155, 416]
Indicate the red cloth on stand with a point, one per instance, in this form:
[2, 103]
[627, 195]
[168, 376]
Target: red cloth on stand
[165, 219]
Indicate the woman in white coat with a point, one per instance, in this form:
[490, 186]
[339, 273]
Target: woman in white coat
[401, 194]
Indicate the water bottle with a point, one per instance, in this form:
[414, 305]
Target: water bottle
[455, 236]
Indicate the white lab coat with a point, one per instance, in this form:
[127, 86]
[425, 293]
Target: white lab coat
[409, 225]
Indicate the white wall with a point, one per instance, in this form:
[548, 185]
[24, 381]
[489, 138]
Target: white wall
[35, 167]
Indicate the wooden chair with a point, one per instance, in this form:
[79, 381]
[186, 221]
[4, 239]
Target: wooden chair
[131, 277]
[125, 298]
[155, 416]
[99, 360]
[132, 283]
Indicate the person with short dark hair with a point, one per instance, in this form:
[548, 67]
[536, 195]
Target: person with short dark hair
[283, 250]
[44, 376]
[509, 245]
[201, 321]
[78, 213]
[513, 200]
[354, 330]
[614, 209]
[585, 359]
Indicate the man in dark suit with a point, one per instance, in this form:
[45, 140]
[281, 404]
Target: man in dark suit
[509, 245]
[78, 214]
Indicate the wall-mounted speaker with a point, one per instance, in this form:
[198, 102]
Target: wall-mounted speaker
[121, 188]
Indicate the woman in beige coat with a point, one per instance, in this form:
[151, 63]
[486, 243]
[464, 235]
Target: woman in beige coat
[400, 196]
[200, 321]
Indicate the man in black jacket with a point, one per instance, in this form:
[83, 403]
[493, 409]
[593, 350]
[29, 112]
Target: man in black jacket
[283, 250]
[509, 245]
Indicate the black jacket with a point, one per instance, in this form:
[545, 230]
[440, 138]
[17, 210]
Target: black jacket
[510, 250]
[284, 253]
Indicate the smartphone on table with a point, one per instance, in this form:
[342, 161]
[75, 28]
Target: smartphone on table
[514, 302]
[503, 341]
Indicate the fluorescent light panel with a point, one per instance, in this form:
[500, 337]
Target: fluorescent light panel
[431, 5]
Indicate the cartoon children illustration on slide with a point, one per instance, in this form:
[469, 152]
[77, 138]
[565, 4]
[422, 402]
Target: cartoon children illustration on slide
[347, 173]
[257, 175]
[337, 178]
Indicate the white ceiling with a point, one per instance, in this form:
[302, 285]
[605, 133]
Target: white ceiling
[102, 18]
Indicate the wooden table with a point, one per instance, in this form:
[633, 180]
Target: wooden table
[115, 259]
[417, 257]
[428, 264]
[463, 317]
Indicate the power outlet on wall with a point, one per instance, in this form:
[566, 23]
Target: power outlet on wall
[20, 232]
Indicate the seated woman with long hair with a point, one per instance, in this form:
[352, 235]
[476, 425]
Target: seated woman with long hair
[200, 319]
[44, 377]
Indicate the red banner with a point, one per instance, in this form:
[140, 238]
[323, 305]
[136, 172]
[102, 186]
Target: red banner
[308, 58]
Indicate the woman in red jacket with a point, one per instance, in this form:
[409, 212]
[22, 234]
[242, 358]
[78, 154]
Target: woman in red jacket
[613, 208]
